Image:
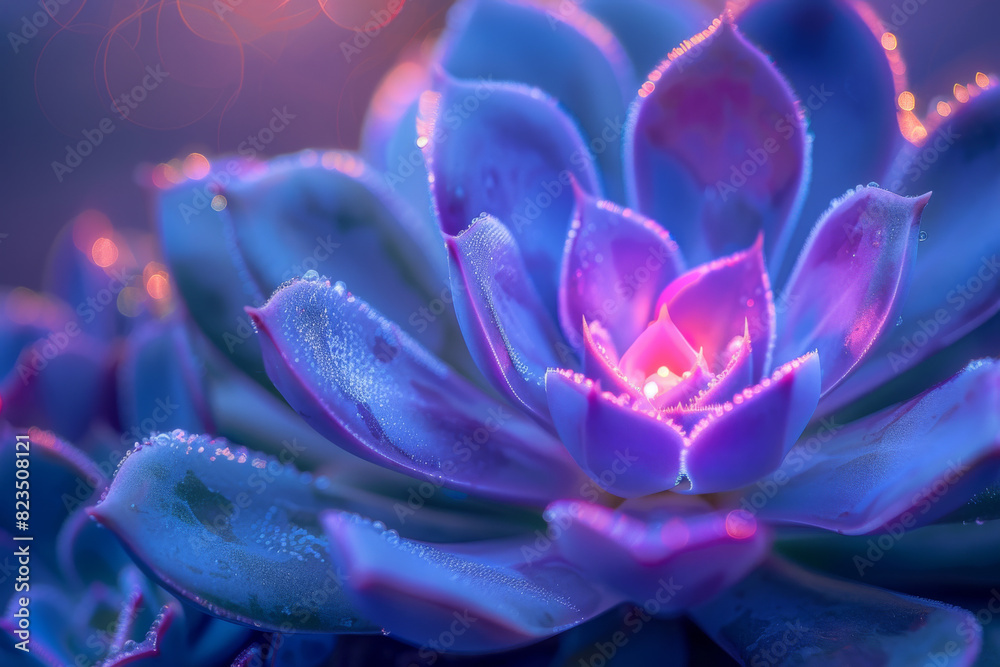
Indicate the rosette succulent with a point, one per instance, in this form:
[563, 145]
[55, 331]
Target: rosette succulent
[575, 363]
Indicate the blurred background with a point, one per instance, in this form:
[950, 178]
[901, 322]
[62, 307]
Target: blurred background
[144, 82]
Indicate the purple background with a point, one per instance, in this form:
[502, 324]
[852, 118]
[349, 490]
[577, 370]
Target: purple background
[54, 90]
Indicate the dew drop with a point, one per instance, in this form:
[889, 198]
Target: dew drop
[922, 236]
[872, 184]
[310, 275]
[899, 321]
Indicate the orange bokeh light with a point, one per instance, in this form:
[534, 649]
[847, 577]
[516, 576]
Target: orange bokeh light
[104, 252]
[961, 94]
[740, 525]
[889, 42]
[196, 166]
[943, 108]
[157, 286]
[907, 101]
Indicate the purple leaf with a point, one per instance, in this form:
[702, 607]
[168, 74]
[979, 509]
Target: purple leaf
[339, 218]
[782, 610]
[163, 645]
[359, 379]
[850, 280]
[245, 412]
[389, 139]
[389, 128]
[664, 559]
[615, 265]
[955, 285]
[200, 514]
[734, 378]
[512, 338]
[161, 382]
[252, 656]
[72, 276]
[628, 450]
[84, 551]
[600, 361]
[509, 151]
[44, 387]
[28, 316]
[716, 303]
[893, 465]
[329, 213]
[749, 435]
[715, 148]
[470, 597]
[528, 43]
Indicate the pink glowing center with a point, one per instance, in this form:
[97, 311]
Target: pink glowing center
[663, 365]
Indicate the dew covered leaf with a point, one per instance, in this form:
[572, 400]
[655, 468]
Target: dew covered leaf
[232, 531]
[850, 280]
[359, 379]
[715, 148]
[913, 462]
[288, 216]
[493, 593]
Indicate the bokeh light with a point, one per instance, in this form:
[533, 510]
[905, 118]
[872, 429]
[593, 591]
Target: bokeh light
[157, 286]
[740, 525]
[196, 166]
[104, 252]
